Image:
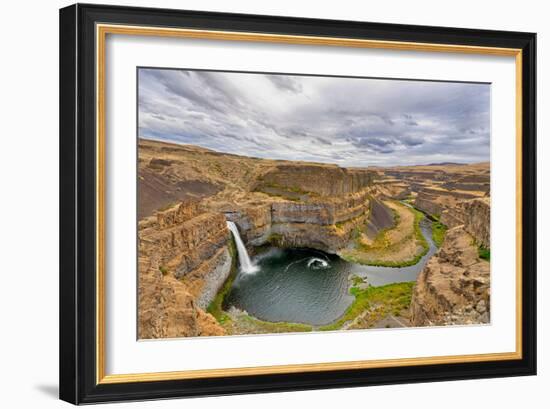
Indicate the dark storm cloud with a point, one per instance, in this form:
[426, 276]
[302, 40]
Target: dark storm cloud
[286, 83]
[351, 122]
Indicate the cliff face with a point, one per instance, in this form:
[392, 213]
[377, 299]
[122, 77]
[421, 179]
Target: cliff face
[454, 286]
[475, 215]
[313, 218]
[436, 188]
[184, 257]
[254, 223]
[429, 204]
[435, 200]
[167, 309]
[323, 180]
[324, 223]
[183, 262]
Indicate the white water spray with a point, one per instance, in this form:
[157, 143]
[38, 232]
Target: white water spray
[317, 263]
[246, 264]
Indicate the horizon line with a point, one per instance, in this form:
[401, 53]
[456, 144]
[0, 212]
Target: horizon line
[179, 143]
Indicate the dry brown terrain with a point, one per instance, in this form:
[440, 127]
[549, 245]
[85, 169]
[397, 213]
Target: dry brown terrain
[188, 193]
[394, 245]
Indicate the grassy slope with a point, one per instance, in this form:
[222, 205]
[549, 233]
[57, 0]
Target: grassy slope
[393, 298]
[438, 232]
[356, 256]
[216, 306]
[484, 253]
[270, 327]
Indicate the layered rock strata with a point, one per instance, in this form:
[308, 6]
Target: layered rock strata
[183, 262]
[322, 180]
[167, 309]
[322, 224]
[475, 215]
[454, 286]
[435, 200]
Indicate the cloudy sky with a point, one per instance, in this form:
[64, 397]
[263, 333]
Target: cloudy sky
[347, 121]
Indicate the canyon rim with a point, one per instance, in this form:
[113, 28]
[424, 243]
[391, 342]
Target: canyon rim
[272, 203]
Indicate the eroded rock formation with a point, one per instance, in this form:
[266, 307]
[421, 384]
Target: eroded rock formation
[166, 307]
[183, 262]
[324, 223]
[454, 286]
[184, 253]
[475, 215]
[320, 179]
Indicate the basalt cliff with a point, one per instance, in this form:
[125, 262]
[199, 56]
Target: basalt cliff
[454, 286]
[185, 245]
[186, 195]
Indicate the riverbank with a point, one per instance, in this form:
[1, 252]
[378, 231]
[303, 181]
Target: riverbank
[401, 245]
[380, 305]
[373, 304]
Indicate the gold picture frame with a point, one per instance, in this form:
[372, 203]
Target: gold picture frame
[99, 19]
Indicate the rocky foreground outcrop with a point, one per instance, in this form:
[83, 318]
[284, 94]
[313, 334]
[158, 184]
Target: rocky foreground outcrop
[184, 250]
[454, 286]
[475, 215]
[183, 261]
[166, 307]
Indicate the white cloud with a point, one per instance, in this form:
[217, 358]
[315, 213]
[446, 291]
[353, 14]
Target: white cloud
[348, 121]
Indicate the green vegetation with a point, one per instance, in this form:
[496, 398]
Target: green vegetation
[356, 230]
[216, 306]
[356, 280]
[388, 299]
[418, 216]
[163, 270]
[484, 253]
[391, 298]
[275, 327]
[275, 239]
[288, 189]
[166, 206]
[438, 233]
[380, 240]
[286, 197]
[384, 263]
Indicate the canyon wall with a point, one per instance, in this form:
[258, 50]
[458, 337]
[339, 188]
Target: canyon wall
[323, 180]
[166, 308]
[475, 215]
[315, 206]
[185, 257]
[454, 286]
[324, 225]
[435, 200]
[183, 262]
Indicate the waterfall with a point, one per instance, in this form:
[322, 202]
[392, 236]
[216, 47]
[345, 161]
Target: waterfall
[244, 258]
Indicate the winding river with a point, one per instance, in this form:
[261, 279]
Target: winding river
[309, 286]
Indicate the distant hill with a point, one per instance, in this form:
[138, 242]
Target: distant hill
[446, 164]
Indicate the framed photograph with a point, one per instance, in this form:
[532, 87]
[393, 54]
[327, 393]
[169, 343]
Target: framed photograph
[257, 203]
